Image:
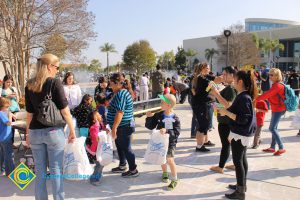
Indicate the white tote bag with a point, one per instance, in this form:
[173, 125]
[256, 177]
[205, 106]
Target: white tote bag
[104, 153]
[157, 148]
[296, 120]
[76, 162]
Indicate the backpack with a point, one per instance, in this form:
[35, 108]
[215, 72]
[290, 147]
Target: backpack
[291, 100]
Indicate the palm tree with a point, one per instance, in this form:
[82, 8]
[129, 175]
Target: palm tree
[275, 44]
[190, 53]
[270, 46]
[209, 54]
[108, 48]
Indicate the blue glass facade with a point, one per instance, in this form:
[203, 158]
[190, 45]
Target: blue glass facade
[257, 26]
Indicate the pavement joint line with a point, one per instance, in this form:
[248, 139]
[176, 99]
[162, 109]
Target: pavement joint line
[252, 179]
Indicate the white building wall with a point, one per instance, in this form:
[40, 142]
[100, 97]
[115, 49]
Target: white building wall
[199, 45]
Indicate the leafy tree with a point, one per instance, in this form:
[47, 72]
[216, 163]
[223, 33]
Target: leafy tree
[28, 24]
[108, 48]
[95, 66]
[180, 57]
[167, 60]
[242, 48]
[190, 53]
[209, 54]
[196, 61]
[139, 56]
[57, 45]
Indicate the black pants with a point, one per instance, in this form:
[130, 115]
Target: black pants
[123, 144]
[224, 131]
[240, 161]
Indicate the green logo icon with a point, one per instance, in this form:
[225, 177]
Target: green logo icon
[22, 176]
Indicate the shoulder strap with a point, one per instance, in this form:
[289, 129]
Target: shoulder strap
[49, 95]
[280, 97]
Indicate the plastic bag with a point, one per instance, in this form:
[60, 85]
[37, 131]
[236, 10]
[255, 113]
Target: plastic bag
[104, 153]
[296, 120]
[157, 148]
[67, 130]
[76, 162]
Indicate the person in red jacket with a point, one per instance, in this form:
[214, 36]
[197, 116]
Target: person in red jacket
[278, 109]
[261, 108]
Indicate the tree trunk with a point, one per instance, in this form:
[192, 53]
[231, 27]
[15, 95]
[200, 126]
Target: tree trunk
[5, 68]
[107, 63]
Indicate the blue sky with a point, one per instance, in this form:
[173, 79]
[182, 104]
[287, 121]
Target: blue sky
[166, 23]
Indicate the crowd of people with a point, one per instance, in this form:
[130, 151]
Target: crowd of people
[234, 95]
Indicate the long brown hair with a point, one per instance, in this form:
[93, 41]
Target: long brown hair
[36, 84]
[119, 78]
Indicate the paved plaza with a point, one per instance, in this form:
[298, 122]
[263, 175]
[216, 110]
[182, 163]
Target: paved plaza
[269, 177]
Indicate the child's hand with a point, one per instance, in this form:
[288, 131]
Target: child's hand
[14, 117]
[149, 114]
[163, 131]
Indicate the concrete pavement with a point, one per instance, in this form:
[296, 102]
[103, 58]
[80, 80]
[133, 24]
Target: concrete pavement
[269, 177]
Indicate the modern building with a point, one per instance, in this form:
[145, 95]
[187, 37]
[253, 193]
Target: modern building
[288, 33]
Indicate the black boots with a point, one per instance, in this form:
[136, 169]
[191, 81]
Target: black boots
[233, 187]
[239, 193]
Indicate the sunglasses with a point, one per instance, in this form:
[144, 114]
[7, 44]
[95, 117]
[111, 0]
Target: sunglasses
[57, 67]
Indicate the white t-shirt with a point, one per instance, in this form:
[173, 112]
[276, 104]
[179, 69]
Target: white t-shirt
[144, 81]
[73, 95]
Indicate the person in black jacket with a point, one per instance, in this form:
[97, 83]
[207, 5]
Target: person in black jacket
[242, 128]
[293, 81]
[168, 123]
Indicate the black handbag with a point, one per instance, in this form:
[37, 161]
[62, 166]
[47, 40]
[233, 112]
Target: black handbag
[48, 113]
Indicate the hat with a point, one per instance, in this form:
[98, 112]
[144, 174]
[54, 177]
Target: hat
[165, 99]
[169, 99]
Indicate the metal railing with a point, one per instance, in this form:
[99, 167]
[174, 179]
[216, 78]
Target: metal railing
[141, 107]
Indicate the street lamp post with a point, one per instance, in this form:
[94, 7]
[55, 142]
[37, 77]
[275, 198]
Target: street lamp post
[227, 33]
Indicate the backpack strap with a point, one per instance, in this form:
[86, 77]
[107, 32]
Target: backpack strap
[280, 97]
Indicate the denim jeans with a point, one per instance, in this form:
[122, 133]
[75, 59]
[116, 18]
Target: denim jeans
[48, 145]
[2, 168]
[97, 174]
[7, 155]
[123, 143]
[273, 128]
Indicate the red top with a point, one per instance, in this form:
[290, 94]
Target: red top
[260, 116]
[277, 105]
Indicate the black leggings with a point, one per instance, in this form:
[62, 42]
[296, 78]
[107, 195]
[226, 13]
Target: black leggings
[224, 131]
[240, 161]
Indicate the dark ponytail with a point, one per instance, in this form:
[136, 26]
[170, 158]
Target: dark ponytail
[120, 78]
[249, 81]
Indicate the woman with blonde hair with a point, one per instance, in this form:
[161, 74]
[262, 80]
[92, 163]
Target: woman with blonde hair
[275, 96]
[47, 142]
